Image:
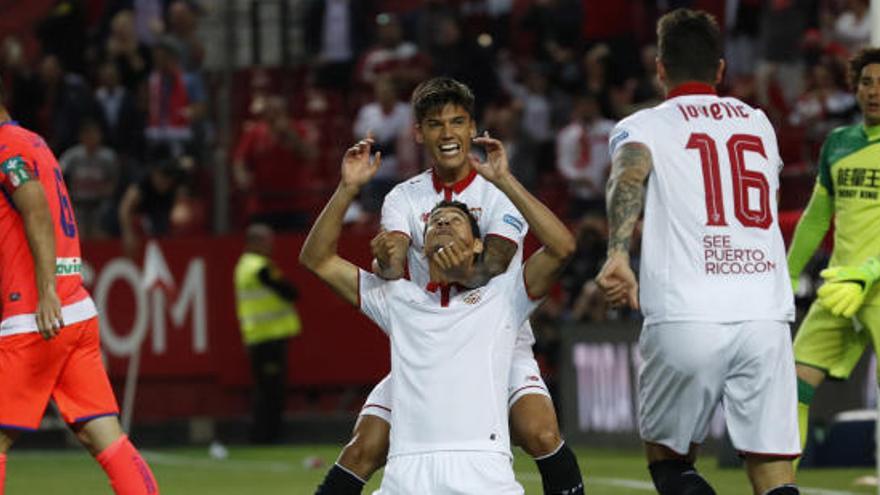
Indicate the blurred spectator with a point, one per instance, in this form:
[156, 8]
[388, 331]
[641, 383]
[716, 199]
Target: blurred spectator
[553, 24]
[648, 90]
[131, 57]
[148, 20]
[336, 30]
[742, 20]
[91, 171]
[66, 101]
[176, 100]
[20, 86]
[123, 124]
[390, 121]
[63, 34]
[504, 123]
[147, 205]
[182, 25]
[780, 69]
[585, 299]
[393, 56]
[582, 157]
[534, 99]
[853, 26]
[273, 165]
[826, 104]
[462, 59]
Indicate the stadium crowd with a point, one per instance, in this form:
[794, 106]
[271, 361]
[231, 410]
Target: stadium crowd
[119, 90]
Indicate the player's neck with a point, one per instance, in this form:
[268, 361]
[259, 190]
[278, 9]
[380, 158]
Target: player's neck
[449, 176]
[4, 116]
[872, 130]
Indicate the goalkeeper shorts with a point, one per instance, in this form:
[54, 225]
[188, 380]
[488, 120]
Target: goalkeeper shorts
[67, 368]
[832, 343]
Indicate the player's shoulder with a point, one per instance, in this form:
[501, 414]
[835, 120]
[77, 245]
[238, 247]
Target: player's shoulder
[847, 135]
[17, 141]
[414, 185]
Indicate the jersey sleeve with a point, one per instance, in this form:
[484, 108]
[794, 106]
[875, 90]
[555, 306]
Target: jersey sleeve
[14, 172]
[505, 221]
[372, 299]
[396, 212]
[629, 130]
[773, 144]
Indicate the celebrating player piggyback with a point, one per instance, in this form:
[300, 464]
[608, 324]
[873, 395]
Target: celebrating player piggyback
[24, 157]
[710, 227]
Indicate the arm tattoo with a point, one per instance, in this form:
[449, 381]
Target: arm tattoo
[497, 253]
[626, 193]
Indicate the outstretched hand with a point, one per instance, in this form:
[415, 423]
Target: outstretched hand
[358, 166]
[495, 168]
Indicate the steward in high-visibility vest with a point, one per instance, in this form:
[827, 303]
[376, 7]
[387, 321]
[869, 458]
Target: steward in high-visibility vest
[268, 320]
[264, 300]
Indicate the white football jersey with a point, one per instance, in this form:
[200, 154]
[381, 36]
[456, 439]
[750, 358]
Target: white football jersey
[711, 245]
[450, 360]
[407, 206]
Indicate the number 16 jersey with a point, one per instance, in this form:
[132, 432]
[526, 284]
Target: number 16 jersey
[711, 245]
[25, 157]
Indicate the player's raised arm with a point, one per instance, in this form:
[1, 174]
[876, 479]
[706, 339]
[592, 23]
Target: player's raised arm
[542, 268]
[630, 167]
[31, 201]
[318, 253]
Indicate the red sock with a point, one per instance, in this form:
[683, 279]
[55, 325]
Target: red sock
[128, 472]
[2, 472]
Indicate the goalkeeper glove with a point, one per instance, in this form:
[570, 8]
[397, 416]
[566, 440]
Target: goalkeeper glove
[846, 286]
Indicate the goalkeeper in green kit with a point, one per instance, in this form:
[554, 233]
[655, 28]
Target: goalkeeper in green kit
[845, 317]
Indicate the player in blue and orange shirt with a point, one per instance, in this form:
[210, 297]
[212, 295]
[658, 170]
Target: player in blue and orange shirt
[49, 339]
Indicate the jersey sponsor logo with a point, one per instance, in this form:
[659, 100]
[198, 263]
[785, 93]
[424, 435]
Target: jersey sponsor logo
[473, 298]
[853, 182]
[722, 257]
[15, 296]
[513, 222]
[16, 170]
[68, 266]
[620, 136]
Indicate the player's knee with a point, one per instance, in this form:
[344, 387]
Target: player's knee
[365, 454]
[678, 477]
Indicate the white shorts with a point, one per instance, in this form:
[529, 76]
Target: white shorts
[748, 366]
[448, 473]
[524, 379]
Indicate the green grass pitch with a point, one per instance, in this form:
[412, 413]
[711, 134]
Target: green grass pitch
[283, 470]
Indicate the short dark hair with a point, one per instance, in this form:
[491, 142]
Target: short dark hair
[689, 45]
[860, 60]
[458, 205]
[434, 94]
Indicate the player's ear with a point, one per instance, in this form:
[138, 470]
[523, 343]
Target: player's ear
[719, 75]
[417, 133]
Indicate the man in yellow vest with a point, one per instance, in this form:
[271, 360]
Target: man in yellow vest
[268, 319]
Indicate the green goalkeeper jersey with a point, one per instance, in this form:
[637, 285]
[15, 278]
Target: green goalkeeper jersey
[849, 170]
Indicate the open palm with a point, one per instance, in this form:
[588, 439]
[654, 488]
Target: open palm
[358, 166]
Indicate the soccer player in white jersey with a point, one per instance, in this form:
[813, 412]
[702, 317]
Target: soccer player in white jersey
[451, 351]
[714, 288]
[445, 127]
